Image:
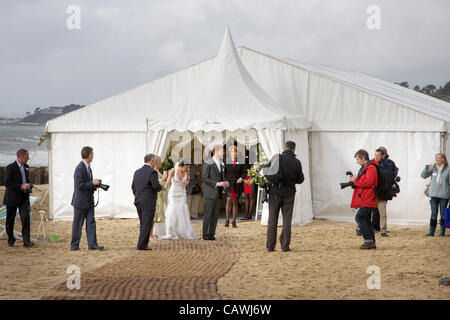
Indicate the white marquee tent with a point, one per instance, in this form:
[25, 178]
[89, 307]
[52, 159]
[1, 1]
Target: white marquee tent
[224, 102]
[242, 89]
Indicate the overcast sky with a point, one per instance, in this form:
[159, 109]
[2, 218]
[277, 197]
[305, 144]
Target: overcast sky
[122, 44]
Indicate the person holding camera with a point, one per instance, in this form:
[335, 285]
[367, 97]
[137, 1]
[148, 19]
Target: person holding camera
[283, 172]
[17, 195]
[83, 202]
[364, 198]
[439, 191]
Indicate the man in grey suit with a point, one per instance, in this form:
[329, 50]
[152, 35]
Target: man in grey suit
[83, 202]
[213, 177]
[145, 188]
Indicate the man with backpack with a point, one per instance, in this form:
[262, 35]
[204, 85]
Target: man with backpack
[283, 172]
[379, 218]
[364, 198]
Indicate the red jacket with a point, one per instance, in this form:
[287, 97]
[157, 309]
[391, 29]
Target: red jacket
[365, 183]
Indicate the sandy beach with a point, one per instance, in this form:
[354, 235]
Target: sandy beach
[326, 262]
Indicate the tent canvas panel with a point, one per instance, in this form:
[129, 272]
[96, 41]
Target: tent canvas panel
[116, 157]
[332, 155]
[330, 105]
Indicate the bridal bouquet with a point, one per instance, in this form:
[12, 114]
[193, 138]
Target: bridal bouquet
[255, 174]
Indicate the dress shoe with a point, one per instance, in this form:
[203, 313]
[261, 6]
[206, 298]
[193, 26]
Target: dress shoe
[227, 224]
[97, 248]
[444, 282]
[27, 245]
[234, 224]
[270, 250]
[146, 248]
[11, 245]
[368, 245]
[74, 249]
[384, 234]
[286, 250]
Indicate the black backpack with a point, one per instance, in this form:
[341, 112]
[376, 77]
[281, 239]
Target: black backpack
[272, 171]
[383, 190]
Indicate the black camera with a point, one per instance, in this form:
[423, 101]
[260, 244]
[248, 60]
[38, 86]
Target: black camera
[347, 184]
[29, 190]
[395, 186]
[103, 186]
[266, 186]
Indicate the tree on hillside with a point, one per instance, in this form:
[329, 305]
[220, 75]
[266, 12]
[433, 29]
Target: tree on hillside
[428, 89]
[446, 89]
[417, 88]
[403, 84]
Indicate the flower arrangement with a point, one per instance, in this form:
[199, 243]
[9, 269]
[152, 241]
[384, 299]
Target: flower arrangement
[255, 173]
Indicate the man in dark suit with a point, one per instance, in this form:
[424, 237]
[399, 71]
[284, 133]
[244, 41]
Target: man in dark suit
[145, 188]
[282, 196]
[213, 177]
[18, 189]
[83, 202]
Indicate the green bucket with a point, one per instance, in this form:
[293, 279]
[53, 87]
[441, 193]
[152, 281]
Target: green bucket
[54, 237]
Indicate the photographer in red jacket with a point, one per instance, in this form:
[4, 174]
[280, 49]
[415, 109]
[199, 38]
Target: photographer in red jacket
[364, 196]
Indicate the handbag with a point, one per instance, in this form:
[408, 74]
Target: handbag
[447, 218]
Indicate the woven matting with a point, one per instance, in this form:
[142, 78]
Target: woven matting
[174, 269]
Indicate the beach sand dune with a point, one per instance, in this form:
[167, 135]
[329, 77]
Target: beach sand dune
[326, 262]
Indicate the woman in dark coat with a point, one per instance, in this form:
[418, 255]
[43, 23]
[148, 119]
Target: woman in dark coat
[235, 174]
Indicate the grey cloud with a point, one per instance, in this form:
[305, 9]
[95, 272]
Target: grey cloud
[123, 44]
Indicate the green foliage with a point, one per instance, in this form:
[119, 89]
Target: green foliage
[167, 164]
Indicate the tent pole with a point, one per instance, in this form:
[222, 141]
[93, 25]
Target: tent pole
[146, 135]
[443, 147]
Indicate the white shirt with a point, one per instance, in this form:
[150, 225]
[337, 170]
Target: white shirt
[217, 164]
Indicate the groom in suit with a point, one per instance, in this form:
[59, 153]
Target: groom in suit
[145, 188]
[213, 177]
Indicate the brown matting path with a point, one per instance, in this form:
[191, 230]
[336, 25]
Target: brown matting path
[174, 269]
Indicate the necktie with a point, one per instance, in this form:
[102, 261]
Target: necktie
[90, 171]
[22, 171]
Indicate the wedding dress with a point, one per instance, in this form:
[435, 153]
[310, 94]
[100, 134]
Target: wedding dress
[178, 222]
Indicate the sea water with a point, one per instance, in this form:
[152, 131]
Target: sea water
[15, 137]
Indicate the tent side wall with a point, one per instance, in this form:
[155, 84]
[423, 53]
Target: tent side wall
[116, 156]
[345, 118]
[332, 156]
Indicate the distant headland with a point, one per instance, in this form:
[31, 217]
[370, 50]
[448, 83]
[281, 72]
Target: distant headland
[40, 115]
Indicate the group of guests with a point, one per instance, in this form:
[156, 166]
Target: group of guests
[371, 216]
[183, 186]
[165, 202]
[236, 175]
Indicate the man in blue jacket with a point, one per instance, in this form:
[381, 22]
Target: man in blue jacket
[83, 202]
[379, 217]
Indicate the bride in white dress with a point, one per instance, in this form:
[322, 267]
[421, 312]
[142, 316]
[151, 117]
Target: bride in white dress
[178, 223]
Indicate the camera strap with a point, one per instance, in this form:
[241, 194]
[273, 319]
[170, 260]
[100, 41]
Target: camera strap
[98, 198]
